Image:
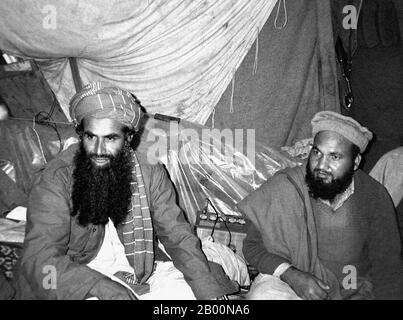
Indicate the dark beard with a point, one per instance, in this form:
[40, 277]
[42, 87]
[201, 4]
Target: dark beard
[101, 193]
[327, 191]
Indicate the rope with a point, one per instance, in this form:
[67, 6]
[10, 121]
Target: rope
[39, 139]
[231, 106]
[277, 15]
[256, 53]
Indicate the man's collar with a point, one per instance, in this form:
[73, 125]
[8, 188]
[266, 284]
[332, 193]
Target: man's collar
[340, 198]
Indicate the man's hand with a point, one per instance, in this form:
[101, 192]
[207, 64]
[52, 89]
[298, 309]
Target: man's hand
[305, 285]
[107, 289]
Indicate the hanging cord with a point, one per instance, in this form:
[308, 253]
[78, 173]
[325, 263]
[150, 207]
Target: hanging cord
[218, 218]
[256, 52]
[39, 139]
[45, 118]
[212, 118]
[231, 105]
[75, 72]
[278, 13]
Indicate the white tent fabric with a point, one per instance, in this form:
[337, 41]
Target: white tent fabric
[176, 56]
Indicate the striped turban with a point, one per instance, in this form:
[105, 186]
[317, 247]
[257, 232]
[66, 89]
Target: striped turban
[101, 100]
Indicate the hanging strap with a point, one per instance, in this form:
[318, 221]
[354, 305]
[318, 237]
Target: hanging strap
[75, 72]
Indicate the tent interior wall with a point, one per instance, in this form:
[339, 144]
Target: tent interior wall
[263, 101]
[281, 70]
[276, 84]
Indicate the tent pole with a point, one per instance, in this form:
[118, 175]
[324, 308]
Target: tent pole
[75, 73]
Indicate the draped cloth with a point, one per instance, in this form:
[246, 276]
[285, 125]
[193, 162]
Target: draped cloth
[138, 230]
[177, 56]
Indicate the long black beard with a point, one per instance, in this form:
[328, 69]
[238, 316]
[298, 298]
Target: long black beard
[101, 193]
[327, 191]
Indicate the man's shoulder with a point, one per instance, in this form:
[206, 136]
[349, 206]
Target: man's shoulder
[365, 183]
[282, 178]
[282, 185]
[152, 171]
[394, 155]
[365, 179]
[281, 196]
[148, 165]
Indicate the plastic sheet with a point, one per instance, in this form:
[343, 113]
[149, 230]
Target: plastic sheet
[20, 149]
[223, 166]
[26, 147]
[12, 231]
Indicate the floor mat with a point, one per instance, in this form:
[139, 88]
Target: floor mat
[8, 258]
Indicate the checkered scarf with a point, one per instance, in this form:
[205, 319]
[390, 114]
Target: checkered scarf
[138, 230]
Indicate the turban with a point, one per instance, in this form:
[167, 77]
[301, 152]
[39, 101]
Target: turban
[345, 126]
[100, 100]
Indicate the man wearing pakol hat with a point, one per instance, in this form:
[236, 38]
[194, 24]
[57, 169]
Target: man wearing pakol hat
[95, 215]
[324, 230]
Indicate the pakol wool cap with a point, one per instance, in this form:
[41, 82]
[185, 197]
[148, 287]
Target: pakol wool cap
[343, 125]
[101, 100]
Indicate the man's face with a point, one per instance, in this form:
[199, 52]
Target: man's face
[102, 140]
[330, 165]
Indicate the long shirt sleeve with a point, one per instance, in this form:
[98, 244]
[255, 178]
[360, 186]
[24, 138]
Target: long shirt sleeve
[256, 254]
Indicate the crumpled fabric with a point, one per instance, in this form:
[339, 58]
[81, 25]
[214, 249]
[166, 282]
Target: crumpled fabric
[233, 264]
[176, 56]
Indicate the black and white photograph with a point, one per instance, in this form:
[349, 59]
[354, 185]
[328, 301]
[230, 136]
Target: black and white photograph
[208, 157]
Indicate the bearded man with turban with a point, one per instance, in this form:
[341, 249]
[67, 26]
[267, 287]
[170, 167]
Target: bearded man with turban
[100, 212]
[324, 230]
